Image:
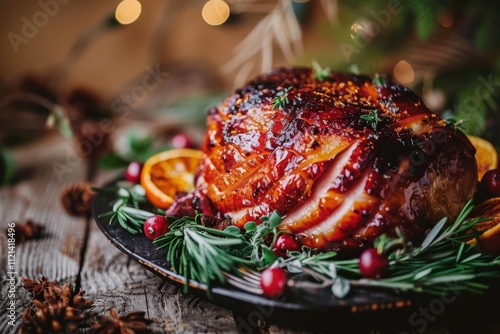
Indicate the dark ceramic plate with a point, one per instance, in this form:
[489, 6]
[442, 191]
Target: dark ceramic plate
[363, 309]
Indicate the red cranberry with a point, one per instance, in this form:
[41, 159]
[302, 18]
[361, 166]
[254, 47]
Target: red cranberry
[490, 183]
[182, 140]
[284, 243]
[273, 282]
[372, 264]
[133, 172]
[155, 226]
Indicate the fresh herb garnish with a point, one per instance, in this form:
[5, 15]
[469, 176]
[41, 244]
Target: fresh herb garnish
[459, 125]
[200, 253]
[442, 262]
[280, 100]
[354, 69]
[320, 73]
[126, 210]
[371, 118]
[59, 116]
[379, 81]
[262, 254]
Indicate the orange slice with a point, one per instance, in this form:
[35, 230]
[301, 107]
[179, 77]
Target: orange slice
[489, 240]
[486, 155]
[168, 172]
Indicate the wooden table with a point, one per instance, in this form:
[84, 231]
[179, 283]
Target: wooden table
[74, 250]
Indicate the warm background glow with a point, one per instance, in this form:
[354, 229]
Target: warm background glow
[215, 12]
[403, 72]
[128, 11]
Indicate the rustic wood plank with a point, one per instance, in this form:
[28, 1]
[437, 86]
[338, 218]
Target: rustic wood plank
[114, 280]
[56, 254]
[109, 277]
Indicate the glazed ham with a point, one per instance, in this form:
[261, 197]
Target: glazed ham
[343, 159]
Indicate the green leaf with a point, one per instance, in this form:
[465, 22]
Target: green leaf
[433, 233]
[7, 166]
[341, 287]
[62, 121]
[250, 226]
[355, 69]
[113, 160]
[232, 230]
[379, 81]
[280, 100]
[371, 118]
[422, 274]
[425, 14]
[450, 278]
[268, 256]
[472, 257]
[139, 145]
[274, 219]
[320, 73]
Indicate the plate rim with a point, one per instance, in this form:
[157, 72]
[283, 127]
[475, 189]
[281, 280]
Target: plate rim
[403, 299]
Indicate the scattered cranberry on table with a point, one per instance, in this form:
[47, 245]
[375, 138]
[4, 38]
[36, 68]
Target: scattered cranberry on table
[273, 282]
[133, 172]
[155, 226]
[372, 264]
[490, 183]
[182, 140]
[284, 243]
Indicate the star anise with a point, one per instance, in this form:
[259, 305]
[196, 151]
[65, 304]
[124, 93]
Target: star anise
[132, 323]
[60, 312]
[76, 199]
[27, 231]
[37, 288]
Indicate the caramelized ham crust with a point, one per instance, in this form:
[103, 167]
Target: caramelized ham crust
[344, 160]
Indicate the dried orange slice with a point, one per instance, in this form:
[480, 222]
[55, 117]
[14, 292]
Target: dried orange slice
[486, 155]
[489, 240]
[168, 172]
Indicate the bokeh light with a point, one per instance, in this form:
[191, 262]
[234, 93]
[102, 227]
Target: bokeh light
[445, 18]
[215, 12]
[128, 11]
[403, 72]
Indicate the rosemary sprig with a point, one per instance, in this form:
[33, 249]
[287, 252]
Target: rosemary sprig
[126, 210]
[200, 253]
[262, 254]
[379, 81]
[280, 100]
[371, 118]
[320, 73]
[460, 125]
[441, 263]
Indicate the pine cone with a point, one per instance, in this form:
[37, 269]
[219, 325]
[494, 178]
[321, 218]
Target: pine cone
[76, 199]
[27, 231]
[61, 312]
[132, 323]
